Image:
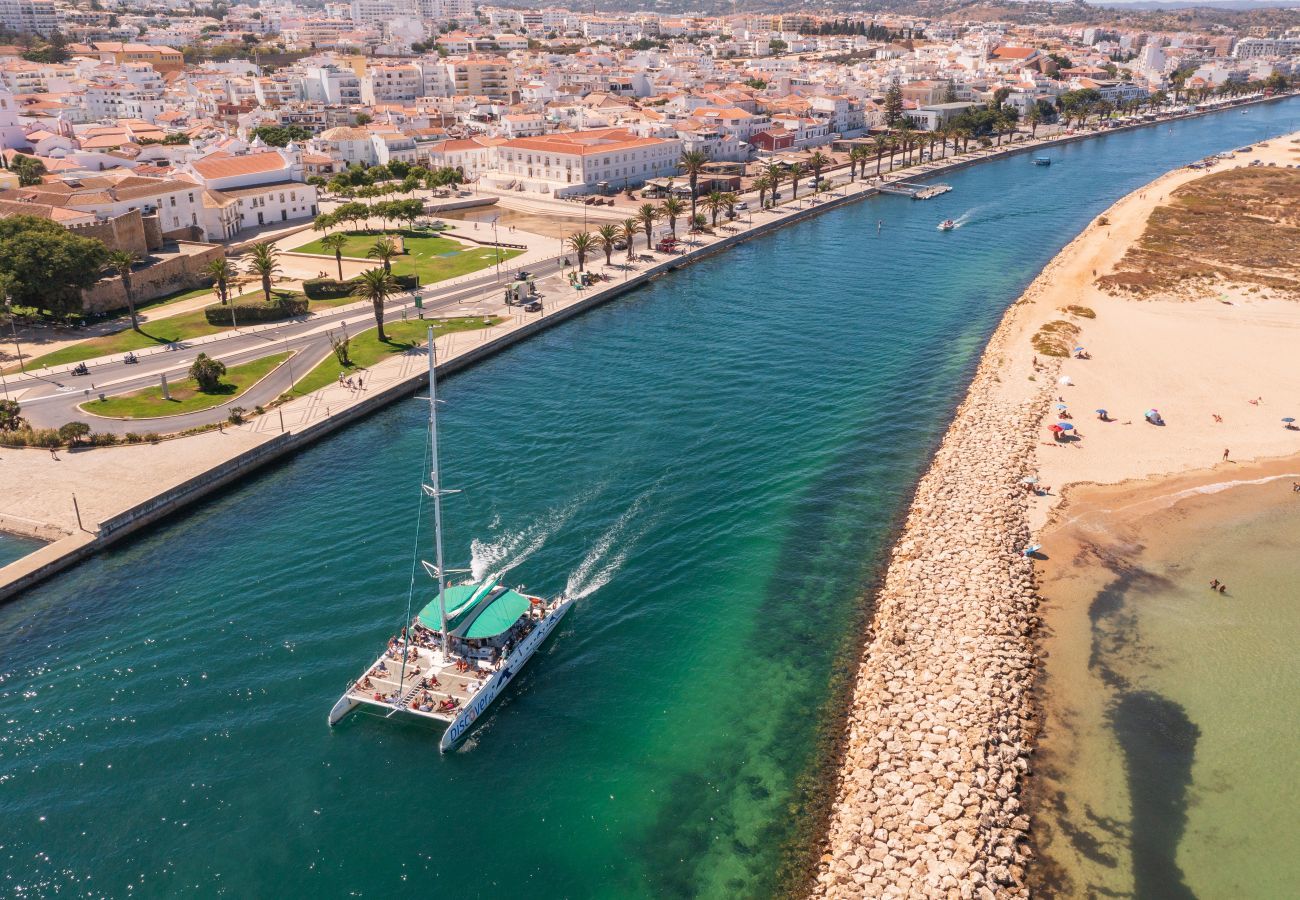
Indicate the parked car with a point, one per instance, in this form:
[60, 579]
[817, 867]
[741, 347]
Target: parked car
[533, 306]
[742, 205]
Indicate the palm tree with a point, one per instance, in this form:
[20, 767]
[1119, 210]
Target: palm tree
[264, 261]
[857, 158]
[796, 172]
[775, 175]
[881, 144]
[383, 250]
[222, 274]
[335, 243]
[582, 243]
[627, 232]
[817, 162]
[376, 285]
[121, 261]
[673, 208]
[729, 201]
[647, 215]
[762, 184]
[607, 236]
[714, 204]
[692, 164]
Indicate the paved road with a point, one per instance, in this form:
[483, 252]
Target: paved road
[50, 401]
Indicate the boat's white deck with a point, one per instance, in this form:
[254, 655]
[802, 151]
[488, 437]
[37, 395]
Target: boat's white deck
[395, 688]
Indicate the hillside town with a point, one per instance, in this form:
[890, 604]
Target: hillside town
[215, 125]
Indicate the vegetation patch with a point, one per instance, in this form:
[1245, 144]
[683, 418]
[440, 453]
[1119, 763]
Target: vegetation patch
[365, 349]
[1240, 227]
[186, 395]
[1083, 312]
[1056, 338]
[428, 257]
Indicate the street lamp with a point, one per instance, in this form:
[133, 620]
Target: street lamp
[13, 325]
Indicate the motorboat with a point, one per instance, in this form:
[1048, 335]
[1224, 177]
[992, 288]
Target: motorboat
[947, 225]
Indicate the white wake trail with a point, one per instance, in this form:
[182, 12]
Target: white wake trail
[609, 552]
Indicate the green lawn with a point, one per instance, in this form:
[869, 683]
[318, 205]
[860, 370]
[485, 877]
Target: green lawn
[185, 395]
[365, 349]
[182, 327]
[431, 258]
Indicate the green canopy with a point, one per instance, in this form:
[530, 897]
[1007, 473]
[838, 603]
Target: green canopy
[493, 616]
[458, 601]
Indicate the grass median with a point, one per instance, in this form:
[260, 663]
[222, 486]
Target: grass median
[431, 258]
[365, 348]
[186, 397]
[170, 330]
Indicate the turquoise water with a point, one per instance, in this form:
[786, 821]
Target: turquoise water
[713, 462]
[14, 547]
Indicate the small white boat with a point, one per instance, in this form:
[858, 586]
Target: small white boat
[947, 225]
[457, 654]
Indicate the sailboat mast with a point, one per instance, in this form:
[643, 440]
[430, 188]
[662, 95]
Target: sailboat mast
[436, 476]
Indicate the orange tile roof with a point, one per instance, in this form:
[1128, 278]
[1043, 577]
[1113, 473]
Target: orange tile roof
[225, 166]
[582, 143]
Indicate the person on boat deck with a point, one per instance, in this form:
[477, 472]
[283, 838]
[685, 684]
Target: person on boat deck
[379, 669]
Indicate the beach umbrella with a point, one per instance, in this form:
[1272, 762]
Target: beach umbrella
[1065, 426]
[1060, 406]
[1100, 412]
[1064, 379]
[1056, 429]
[1078, 349]
[1149, 413]
[1288, 420]
[1032, 479]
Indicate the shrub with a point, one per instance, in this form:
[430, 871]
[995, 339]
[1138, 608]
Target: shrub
[1103, 221]
[133, 438]
[332, 288]
[103, 439]
[207, 372]
[247, 313]
[259, 409]
[152, 438]
[74, 432]
[236, 416]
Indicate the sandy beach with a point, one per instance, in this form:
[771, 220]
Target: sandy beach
[941, 728]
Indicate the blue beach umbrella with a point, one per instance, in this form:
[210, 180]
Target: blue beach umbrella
[1077, 349]
[1100, 412]
[1065, 426]
[1288, 420]
[1060, 406]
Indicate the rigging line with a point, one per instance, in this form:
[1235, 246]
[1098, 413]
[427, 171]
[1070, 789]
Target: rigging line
[415, 561]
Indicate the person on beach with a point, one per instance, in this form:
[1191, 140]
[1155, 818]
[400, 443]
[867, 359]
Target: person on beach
[1217, 418]
[1223, 589]
[1225, 455]
[1214, 585]
[54, 453]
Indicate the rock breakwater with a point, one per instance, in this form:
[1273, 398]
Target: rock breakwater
[940, 726]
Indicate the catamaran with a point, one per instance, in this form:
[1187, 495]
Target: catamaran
[456, 656]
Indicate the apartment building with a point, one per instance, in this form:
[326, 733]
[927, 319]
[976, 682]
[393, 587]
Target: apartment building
[136, 92]
[391, 83]
[491, 77]
[162, 59]
[29, 16]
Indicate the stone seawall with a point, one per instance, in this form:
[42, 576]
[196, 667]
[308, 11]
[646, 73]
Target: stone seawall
[940, 724]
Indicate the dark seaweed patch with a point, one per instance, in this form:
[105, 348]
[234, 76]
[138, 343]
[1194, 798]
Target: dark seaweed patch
[1159, 745]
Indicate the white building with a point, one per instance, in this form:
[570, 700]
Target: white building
[581, 162]
[1267, 48]
[253, 189]
[29, 16]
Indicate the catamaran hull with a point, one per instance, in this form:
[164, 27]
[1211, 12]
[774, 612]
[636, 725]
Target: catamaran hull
[341, 709]
[474, 710]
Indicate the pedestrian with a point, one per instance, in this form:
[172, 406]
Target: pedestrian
[359, 382]
[1295, 487]
[1225, 455]
[54, 453]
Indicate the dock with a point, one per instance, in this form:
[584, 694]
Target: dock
[914, 190]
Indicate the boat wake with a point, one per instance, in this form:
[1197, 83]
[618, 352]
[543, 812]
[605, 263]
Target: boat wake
[499, 555]
[965, 218]
[610, 551]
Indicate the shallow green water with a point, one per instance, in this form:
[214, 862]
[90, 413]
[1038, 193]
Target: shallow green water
[713, 462]
[1179, 778]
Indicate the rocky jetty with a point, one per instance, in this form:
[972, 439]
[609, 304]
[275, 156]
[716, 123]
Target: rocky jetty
[940, 725]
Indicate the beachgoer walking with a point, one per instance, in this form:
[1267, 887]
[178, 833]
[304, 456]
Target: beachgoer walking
[1225, 455]
[54, 453]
